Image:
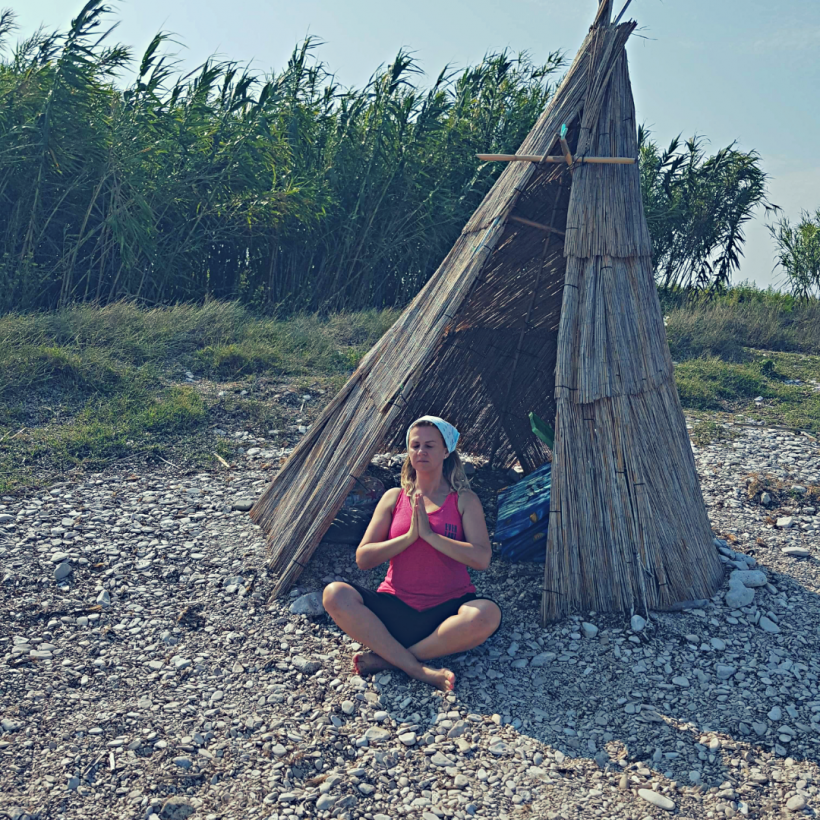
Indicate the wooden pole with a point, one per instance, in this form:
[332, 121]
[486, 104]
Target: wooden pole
[567, 152]
[623, 11]
[539, 225]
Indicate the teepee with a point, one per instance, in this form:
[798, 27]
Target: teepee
[547, 304]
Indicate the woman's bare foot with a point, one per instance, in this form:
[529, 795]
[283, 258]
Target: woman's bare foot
[442, 679]
[367, 663]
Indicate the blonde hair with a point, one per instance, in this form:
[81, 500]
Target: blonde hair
[452, 469]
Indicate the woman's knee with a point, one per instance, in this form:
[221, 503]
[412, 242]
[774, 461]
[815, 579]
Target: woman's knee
[336, 595]
[485, 616]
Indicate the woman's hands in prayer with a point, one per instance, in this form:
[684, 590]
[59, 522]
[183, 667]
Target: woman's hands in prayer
[420, 520]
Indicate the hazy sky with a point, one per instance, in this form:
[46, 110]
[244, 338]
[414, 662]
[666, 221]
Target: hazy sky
[744, 70]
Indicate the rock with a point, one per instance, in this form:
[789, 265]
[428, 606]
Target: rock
[796, 803]
[324, 802]
[408, 738]
[104, 599]
[305, 665]
[347, 802]
[796, 552]
[717, 644]
[765, 499]
[375, 734]
[458, 730]
[748, 577]
[439, 759]
[739, 596]
[310, 605]
[775, 714]
[543, 658]
[176, 808]
[767, 625]
[366, 788]
[73, 783]
[183, 762]
[680, 680]
[637, 623]
[242, 504]
[656, 799]
[785, 523]
[348, 706]
[590, 630]
[724, 671]
[799, 489]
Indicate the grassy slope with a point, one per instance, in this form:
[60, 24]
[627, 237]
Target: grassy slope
[88, 387]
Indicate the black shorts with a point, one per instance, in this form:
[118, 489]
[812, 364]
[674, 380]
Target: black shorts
[407, 625]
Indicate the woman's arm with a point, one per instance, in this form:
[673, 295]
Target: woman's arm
[374, 548]
[477, 550]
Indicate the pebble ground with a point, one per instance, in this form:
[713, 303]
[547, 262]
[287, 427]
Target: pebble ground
[144, 673]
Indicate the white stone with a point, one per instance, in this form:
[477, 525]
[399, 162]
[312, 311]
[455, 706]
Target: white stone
[748, 577]
[739, 596]
[656, 799]
[62, 570]
[767, 625]
[785, 523]
[590, 630]
[637, 623]
[376, 735]
[310, 605]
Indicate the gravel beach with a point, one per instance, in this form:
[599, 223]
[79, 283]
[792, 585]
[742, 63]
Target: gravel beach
[146, 675]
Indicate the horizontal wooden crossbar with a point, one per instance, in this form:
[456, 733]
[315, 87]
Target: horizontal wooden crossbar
[539, 225]
[537, 158]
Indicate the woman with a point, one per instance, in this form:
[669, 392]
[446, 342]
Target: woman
[430, 529]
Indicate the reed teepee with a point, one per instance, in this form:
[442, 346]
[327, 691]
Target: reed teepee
[546, 303]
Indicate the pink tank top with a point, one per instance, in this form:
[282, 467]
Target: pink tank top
[421, 576]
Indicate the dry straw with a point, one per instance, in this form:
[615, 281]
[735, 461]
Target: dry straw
[546, 303]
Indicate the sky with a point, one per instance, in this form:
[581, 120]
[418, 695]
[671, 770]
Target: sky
[744, 71]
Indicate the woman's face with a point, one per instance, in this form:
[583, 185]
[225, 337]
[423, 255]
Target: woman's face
[426, 451]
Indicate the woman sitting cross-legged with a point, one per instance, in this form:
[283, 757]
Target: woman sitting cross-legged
[431, 530]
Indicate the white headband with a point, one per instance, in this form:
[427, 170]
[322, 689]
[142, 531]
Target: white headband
[448, 432]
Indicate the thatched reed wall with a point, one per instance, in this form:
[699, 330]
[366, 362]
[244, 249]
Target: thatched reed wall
[561, 319]
[628, 527]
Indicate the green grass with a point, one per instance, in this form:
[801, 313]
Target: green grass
[744, 317]
[96, 385]
[91, 386]
[137, 420]
[86, 347]
[711, 384]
